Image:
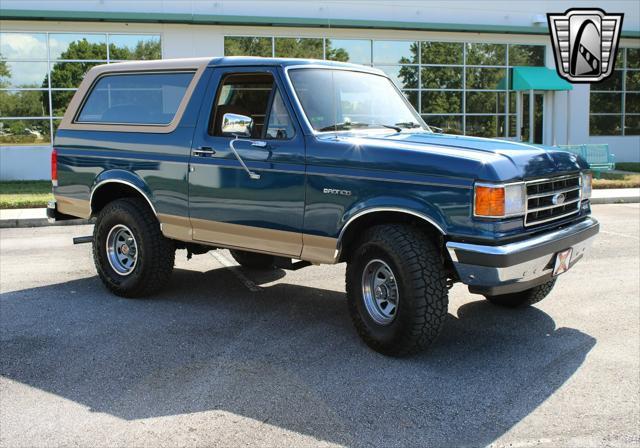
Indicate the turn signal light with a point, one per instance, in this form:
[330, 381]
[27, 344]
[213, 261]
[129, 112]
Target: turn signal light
[54, 167]
[489, 201]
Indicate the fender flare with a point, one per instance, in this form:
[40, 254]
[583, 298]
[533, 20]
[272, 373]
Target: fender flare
[122, 177]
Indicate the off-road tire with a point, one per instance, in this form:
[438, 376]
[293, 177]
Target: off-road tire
[418, 268]
[252, 260]
[524, 298]
[156, 254]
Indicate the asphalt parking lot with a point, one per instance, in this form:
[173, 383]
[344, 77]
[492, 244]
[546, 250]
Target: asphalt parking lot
[231, 357]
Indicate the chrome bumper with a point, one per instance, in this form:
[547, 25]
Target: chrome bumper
[514, 267]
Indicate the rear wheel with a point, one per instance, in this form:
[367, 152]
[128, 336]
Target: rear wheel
[527, 297]
[397, 290]
[253, 260]
[132, 257]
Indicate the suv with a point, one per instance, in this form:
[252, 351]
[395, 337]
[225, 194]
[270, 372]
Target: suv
[289, 163]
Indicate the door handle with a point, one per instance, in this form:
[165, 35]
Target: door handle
[204, 151]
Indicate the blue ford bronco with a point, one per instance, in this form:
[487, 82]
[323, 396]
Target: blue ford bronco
[288, 163]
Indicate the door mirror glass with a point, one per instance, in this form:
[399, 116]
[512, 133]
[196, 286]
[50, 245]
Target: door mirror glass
[237, 124]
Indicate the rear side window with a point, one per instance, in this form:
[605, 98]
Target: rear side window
[141, 98]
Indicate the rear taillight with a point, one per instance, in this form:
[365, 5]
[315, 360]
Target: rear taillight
[54, 167]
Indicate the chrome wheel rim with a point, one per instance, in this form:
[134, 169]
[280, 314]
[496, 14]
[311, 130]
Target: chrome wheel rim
[122, 249]
[380, 292]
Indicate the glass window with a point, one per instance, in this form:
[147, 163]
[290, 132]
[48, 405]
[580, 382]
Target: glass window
[606, 103]
[294, 47]
[18, 46]
[60, 100]
[485, 102]
[632, 103]
[135, 99]
[243, 94]
[78, 46]
[395, 52]
[134, 47]
[633, 80]
[486, 78]
[248, 46]
[442, 53]
[349, 50]
[526, 55]
[450, 124]
[23, 74]
[442, 78]
[24, 103]
[404, 76]
[434, 102]
[485, 125]
[612, 83]
[412, 96]
[486, 54]
[633, 57]
[24, 132]
[352, 100]
[632, 125]
[280, 126]
[605, 125]
[69, 74]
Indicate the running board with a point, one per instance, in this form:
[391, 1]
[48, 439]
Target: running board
[83, 239]
[289, 265]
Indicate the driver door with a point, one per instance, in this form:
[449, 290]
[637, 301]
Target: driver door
[227, 206]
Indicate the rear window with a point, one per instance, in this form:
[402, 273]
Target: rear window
[141, 98]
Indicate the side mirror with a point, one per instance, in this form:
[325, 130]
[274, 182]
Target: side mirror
[237, 124]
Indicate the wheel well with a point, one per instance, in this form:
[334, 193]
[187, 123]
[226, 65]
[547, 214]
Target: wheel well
[355, 229]
[111, 191]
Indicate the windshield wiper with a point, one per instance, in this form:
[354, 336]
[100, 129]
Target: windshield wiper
[345, 126]
[408, 124]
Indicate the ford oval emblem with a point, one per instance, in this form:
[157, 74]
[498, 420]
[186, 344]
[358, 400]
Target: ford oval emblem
[558, 199]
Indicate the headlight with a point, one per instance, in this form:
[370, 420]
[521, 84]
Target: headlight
[499, 201]
[587, 180]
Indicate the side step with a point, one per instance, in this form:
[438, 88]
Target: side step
[289, 265]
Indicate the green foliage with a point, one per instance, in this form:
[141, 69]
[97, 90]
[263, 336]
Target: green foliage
[628, 166]
[292, 47]
[248, 46]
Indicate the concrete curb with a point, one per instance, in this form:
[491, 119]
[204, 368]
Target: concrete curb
[616, 200]
[40, 222]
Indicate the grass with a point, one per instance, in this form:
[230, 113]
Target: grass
[25, 194]
[616, 180]
[628, 166]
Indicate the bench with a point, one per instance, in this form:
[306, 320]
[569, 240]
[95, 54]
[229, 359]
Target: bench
[597, 156]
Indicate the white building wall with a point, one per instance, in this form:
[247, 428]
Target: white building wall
[182, 40]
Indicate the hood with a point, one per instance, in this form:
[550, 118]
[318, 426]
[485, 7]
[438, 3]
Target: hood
[501, 160]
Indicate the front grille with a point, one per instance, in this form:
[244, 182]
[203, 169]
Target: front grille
[544, 200]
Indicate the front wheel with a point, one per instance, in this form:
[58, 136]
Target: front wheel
[397, 290]
[132, 257]
[527, 297]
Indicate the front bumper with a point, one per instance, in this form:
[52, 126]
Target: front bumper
[514, 267]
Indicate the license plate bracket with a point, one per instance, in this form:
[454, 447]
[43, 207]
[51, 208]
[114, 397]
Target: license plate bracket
[563, 262]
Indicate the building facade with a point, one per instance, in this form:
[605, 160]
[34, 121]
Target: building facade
[454, 60]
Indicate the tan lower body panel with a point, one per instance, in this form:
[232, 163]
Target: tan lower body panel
[316, 249]
[74, 207]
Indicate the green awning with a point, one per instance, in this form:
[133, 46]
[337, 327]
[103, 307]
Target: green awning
[537, 78]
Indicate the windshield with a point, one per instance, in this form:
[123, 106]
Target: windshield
[339, 100]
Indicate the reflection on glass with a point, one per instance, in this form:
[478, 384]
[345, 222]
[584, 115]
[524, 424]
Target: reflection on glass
[442, 53]
[633, 80]
[486, 54]
[434, 102]
[60, 101]
[25, 132]
[412, 96]
[293, 47]
[632, 125]
[404, 76]
[395, 52]
[23, 74]
[69, 74]
[134, 47]
[24, 103]
[526, 55]
[485, 125]
[632, 103]
[248, 46]
[450, 124]
[23, 46]
[78, 46]
[614, 82]
[485, 102]
[633, 57]
[349, 50]
[442, 77]
[605, 125]
[606, 103]
[486, 78]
